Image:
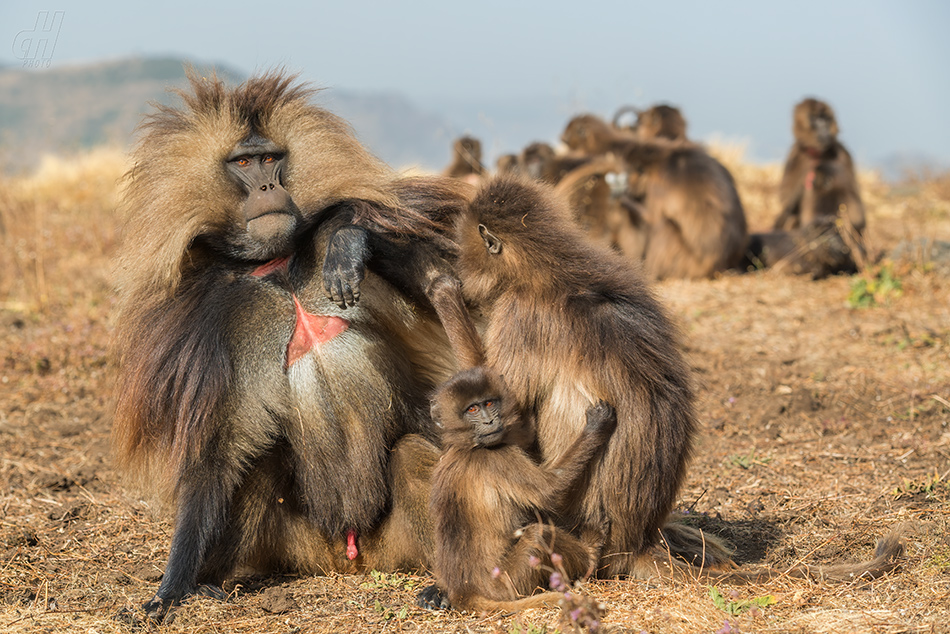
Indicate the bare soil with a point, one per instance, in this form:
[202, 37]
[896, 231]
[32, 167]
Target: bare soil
[825, 426]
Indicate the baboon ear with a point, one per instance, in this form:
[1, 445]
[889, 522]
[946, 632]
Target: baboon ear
[492, 243]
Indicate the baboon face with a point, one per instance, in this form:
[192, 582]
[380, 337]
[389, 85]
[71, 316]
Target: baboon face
[814, 124]
[484, 418]
[269, 218]
[471, 410]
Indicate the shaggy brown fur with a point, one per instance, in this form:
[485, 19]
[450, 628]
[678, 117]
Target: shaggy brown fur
[493, 507]
[269, 459]
[819, 179]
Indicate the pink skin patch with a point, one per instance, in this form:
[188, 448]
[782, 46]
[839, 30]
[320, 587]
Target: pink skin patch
[269, 267]
[810, 180]
[351, 552]
[311, 332]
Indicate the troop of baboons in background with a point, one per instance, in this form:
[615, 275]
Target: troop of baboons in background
[640, 186]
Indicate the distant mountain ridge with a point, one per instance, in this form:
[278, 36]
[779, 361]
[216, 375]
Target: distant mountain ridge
[72, 108]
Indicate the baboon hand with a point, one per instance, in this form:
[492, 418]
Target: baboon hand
[601, 419]
[344, 266]
[432, 598]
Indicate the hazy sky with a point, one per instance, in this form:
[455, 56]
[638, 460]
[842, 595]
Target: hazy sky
[736, 68]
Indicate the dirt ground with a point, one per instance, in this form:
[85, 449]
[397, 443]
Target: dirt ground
[825, 426]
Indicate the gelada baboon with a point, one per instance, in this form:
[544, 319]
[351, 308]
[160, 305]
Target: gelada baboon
[274, 422]
[817, 250]
[661, 121]
[569, 325]
[684, 200]
[494, 508]
[819, 179]
[466, 160]
[594, 193]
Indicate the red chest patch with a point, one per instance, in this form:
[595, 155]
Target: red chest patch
[270, 267]
[312, 331]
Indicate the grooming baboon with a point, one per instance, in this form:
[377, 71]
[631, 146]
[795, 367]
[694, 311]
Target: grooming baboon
[466, 160]
[274, 422]
[593, 192]
[661, 121]
[494, 508]
[570, 324]
[589, 134]
[684, 198]
[819, 179]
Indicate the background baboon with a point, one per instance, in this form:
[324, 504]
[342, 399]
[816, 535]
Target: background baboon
[273, 422]
[819, 179]
[594, 194]
[684, 199]
[696, 226]
[570, 324]
[466, 160]
[493, 507]
[660, 121]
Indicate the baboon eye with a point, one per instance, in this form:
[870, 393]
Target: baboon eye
[472, 409]
[269, 158]
[243, 161]
[489, 403]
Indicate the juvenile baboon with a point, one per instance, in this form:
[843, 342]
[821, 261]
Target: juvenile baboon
[273, 422]
[819, 179]
[494, 507]
[569, 324]
[466, 160]
[660, 121]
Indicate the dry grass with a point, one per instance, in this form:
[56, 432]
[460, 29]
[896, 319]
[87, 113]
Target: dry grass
[824, 428]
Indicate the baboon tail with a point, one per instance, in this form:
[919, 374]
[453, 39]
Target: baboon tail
[705, 567]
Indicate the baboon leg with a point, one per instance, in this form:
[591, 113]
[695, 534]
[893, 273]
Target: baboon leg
[205, 497]
[405, 540]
